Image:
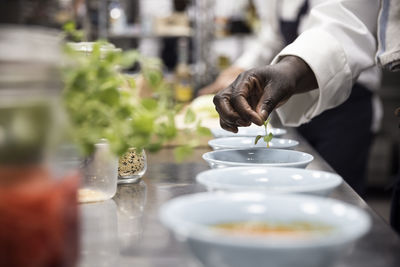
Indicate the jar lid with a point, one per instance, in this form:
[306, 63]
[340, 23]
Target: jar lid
[29, 57]
[29, 44]
[87, 47]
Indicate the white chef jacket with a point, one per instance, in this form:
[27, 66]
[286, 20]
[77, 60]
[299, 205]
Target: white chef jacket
[336, 39]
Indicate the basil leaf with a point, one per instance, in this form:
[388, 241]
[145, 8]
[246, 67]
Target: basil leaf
[109, 96]
[268, 138]
[150, 104]
[129, 58]
[153, 78]
[190, 117]
[258, 137]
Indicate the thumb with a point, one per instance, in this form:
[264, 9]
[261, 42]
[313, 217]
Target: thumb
[266, 105]
[270, 100]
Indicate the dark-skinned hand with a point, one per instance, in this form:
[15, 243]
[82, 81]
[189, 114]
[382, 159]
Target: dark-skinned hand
[257, 92]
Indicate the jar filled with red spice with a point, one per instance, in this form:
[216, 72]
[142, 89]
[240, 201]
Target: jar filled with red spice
[38, 172]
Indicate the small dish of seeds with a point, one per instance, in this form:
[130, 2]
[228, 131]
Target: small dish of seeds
[132, 166]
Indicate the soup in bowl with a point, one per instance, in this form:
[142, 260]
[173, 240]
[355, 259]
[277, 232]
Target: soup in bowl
[253, 229]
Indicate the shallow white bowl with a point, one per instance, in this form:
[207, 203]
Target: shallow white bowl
[257, 157]
[248, 142]
[190, 217]
[270, 180]
[251, 131]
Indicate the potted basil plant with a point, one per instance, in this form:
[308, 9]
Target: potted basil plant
[104, 104]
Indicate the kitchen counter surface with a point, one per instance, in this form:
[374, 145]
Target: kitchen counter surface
[126, 231]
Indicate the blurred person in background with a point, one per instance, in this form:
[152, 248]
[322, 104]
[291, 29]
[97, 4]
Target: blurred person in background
[322, 68]
[388, 57]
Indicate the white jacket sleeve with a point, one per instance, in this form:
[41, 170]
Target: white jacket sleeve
[268, 43]
[338, 43]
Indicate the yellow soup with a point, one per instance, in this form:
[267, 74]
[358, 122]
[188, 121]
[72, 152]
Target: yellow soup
[293, 229]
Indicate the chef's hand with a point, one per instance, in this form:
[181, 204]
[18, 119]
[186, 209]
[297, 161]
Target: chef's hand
[255, 93]
[223, 80]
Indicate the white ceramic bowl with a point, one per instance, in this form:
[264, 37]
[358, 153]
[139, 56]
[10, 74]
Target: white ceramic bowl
[270, 180]
[251, 131]
[248, 142]
[257, 157]
[191, 216]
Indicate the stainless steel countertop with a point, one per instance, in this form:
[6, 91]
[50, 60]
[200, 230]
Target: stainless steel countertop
[126, 231]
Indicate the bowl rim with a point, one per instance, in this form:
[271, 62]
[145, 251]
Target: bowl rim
[205, 178]
[203, 233]
[281, 132]
[207, 158]
[212, 142]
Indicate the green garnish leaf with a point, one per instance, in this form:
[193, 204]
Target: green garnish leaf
[258, 137]
[267, 137]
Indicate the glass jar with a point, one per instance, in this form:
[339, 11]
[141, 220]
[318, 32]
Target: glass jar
[100, 172]
[38, 208]
[100, 169]
[132, 166]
